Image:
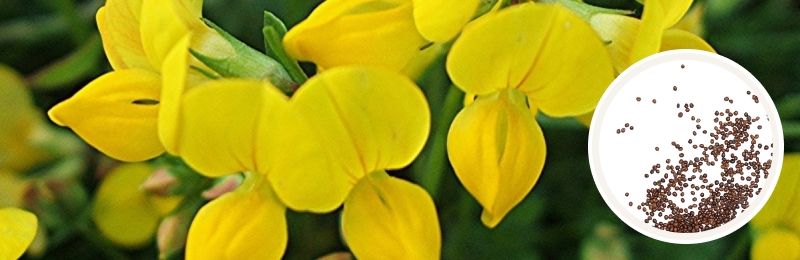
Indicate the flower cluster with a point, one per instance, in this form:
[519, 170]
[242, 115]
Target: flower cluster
[185, 87]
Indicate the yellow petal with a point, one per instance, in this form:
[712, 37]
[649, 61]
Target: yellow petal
[657, 16]
[441, 20]
[497, 151]
[356, 32]
[175, 71]
[162, 27]
[248, 223]
[361, 120]
[389, 218]
[219, 124]
[648, 38]
[109, 114]
[673, 10]
[776, 244]
[121, 210]
[571, 48]
[785, 197]
[619, 32]
[501, 50]
[675, 39]
[17, 229]
[118, 23]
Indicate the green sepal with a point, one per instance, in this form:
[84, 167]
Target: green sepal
[246, 63]
[586, 11]
[273, 31]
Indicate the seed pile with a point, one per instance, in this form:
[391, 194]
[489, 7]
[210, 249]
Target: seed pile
[732, 150]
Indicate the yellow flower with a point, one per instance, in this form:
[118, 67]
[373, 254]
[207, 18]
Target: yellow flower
[20, 122]
[385, 33]
[518, 61]
[777, 225]
[117, 112]
[312, 150]
[631, 39]
[123, 212]
[17, 230]
[353, 124]
[196, 124]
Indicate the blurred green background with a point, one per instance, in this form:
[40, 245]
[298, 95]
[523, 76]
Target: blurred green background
[54, 44]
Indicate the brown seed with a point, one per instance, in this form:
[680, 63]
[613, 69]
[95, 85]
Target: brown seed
[691, 105]
[656, 148]
[680, 114]
[626, 124]
[675, 88]
[626, 194]
[759, 127]
[682, 66]
[617, 131]
[631, 127]
[654, 101]
[622, 130]
[638, 99]
[726, 98]
[748, 92]
[630, 204]
[678, 106]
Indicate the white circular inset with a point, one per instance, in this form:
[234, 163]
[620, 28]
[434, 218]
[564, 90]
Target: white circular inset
[671, 97]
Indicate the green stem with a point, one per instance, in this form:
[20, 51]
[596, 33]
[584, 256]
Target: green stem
[430, 172]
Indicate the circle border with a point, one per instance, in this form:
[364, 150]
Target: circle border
[679, 55]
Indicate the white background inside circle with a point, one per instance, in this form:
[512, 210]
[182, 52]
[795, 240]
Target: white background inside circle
[619, 161]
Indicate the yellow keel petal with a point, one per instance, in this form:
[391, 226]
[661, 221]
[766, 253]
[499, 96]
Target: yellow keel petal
[497, 151]
[389, 218]
[248, 223]
[114, 114]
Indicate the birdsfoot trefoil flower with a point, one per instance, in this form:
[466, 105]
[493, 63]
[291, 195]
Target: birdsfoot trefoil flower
[514, 63]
